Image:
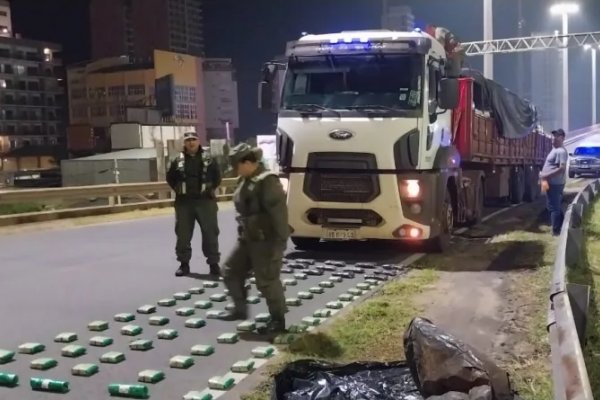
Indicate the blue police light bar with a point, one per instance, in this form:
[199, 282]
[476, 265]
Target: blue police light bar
[361, 46]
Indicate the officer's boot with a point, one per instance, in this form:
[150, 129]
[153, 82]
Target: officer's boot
[274, 327]
[239, 313]
[215, 269]
[184, 269]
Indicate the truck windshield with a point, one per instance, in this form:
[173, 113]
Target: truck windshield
[588, 151]
[385, 83]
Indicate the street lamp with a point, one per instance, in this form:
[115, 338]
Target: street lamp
[589, 47]
[488, 34]
[564, 9]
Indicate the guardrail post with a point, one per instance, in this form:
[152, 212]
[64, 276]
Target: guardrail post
[579, 296]
[574, 247]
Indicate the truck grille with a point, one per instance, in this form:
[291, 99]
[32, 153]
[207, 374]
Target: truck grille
[342, 177]
[343, 217]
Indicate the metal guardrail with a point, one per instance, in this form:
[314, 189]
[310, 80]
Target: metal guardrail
[568, 305]
[122, 189]
[141, 196]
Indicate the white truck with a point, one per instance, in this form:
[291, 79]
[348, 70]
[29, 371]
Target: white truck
[381, 136]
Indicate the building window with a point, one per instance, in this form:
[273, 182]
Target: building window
[97, 93]
[79, 111]
[47, 55]
[117, 110]
[136, 90]
[78, 93]
[116, 91]
[185, 94]
[98, 111]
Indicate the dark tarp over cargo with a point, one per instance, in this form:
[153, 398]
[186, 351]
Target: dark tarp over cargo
[438, 367]
[515, 117]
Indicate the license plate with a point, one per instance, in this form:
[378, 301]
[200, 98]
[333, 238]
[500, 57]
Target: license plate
[585, 166]
[340, 234]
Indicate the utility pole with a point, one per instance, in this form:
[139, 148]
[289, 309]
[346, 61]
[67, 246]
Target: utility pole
[521, 57]
[488, 34]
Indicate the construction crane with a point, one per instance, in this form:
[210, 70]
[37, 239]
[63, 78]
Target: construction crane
[531, 43]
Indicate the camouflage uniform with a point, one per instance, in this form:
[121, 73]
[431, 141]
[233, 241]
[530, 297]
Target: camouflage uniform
[263, 229]
[194, 179]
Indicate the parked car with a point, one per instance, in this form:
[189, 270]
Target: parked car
[585, 161]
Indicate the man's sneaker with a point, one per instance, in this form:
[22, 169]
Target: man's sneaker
[215, 269]
[184, 269]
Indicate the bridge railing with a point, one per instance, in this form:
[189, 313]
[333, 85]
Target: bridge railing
[78, 201]
[569, 303]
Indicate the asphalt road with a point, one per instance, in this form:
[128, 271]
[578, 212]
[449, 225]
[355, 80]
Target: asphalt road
[59, 281]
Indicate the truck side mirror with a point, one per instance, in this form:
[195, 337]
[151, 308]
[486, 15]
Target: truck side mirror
[265, 96]
[267, 87]
[448, 93]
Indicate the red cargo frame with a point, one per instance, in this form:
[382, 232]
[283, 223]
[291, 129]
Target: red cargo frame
[478, 141]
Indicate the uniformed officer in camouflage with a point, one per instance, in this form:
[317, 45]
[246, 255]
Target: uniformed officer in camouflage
[194, 176]
[263, 229]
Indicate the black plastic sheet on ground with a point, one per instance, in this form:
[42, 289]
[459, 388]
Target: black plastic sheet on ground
[313, 380]
[438, 367]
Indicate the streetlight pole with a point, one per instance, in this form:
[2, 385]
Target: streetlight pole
[565, 73]
[564, 9]
[594, 90]
[488, 34]
[521, 60]
[594, 87]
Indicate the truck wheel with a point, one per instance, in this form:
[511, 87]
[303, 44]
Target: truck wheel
[517, 186]
[532, 188]
[440, 243]
[479, 202]
[571, 174]
[305, 243]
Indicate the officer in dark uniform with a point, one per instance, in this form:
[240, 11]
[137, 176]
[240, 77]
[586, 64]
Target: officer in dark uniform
[260, 202]
[194, 177]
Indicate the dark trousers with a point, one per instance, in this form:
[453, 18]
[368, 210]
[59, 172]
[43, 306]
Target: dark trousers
[554, 206]
[265, 259]
[188, 211]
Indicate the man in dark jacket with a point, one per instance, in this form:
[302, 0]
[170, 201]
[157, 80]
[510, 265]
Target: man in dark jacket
[194, 177]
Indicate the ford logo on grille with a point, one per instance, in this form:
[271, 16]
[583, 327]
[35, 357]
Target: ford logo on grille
[340, 135]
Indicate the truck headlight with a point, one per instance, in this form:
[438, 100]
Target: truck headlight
[410, 189]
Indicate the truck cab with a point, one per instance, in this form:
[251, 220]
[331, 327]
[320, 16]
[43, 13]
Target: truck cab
[364, 136]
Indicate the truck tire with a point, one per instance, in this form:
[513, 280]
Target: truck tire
[440, 243]
[305, 243]
[517, 185]
[479, 202]
[571, 174]
[532, 187]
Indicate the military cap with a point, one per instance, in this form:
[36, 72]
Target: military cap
[241, 151]
[190, 135]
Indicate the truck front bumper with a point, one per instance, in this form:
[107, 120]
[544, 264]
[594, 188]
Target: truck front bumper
[390, 216]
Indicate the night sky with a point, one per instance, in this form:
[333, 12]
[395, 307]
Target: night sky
[254, 31]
